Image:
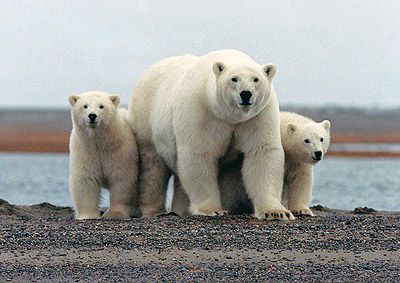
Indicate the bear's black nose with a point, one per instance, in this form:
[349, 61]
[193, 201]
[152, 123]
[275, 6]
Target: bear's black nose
[245, 96]
[318, 155]
[92, 117]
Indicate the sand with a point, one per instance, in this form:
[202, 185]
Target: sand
[44, 243]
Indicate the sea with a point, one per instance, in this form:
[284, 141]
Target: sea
[339, 183]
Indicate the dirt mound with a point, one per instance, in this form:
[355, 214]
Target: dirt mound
[36, 211]
[364, 210]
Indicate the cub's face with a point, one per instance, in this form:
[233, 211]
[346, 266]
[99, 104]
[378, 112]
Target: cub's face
[243, 90]
[93, 109]
[308, 143]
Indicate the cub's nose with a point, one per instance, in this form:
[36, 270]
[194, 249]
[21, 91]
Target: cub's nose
[92, 117]
[245, 96]
[318, 155]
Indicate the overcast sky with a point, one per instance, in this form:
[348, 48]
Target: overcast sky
[341, 52]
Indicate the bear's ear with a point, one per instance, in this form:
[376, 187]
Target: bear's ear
[326, 124]
[73, 98]
[269, 70]
[291, 128]
[115, 99]
[218, 68]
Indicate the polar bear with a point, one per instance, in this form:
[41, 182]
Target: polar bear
[103, 153]
[189, 113]
[305, 142]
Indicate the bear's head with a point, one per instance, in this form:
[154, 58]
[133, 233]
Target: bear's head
[307, 143]
[93, 109]
[244, 88]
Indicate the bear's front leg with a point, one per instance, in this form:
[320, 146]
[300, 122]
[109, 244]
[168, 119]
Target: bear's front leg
[86, 195]
[198, 175]
[299, 189]
[262, 172]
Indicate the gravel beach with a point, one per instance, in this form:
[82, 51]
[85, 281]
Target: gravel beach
[44, 243]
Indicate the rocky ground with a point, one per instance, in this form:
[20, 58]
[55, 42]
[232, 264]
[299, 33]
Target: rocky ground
[43, 243]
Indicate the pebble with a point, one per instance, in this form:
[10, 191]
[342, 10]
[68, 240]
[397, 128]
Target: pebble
[29, 232]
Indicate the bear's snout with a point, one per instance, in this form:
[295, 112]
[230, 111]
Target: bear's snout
[318, 155]
[92, 117]
[245, 95]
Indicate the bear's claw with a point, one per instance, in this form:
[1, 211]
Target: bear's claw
[302, 212]
[275, 215]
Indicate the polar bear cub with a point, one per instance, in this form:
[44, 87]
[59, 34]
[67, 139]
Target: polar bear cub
[305, 142]
[103, 154]
[190, 112]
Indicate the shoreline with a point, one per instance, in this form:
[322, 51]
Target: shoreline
[59, 143]
[44, 242]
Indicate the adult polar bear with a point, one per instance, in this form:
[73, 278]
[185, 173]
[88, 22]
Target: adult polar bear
[189, 113]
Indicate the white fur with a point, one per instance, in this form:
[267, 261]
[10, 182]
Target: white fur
[298, 177]
[187, 115]
[102, 154]
[300, 158]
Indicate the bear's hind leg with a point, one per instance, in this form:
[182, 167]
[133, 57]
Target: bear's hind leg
[153, 181]
[123, 199]
[180, 201]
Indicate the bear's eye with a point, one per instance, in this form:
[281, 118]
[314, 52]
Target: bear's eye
[306, 141]
[256, 80]
[322, 139]
[85, 106]
[101, 106]
[234, 80]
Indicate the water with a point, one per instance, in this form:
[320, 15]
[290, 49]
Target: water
[366, 147]
[342, 183]
[35, 178]
[346, 183]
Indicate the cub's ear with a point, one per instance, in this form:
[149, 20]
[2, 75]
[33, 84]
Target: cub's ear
[269, 70]
[73, 98]
[115, 99]
[326, 124]
[291, 128]
[218, 68]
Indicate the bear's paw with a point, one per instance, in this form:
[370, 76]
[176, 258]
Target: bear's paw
[274, 214]
[302, 212]
[110, 214]
[89, 216]
[210, 212]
